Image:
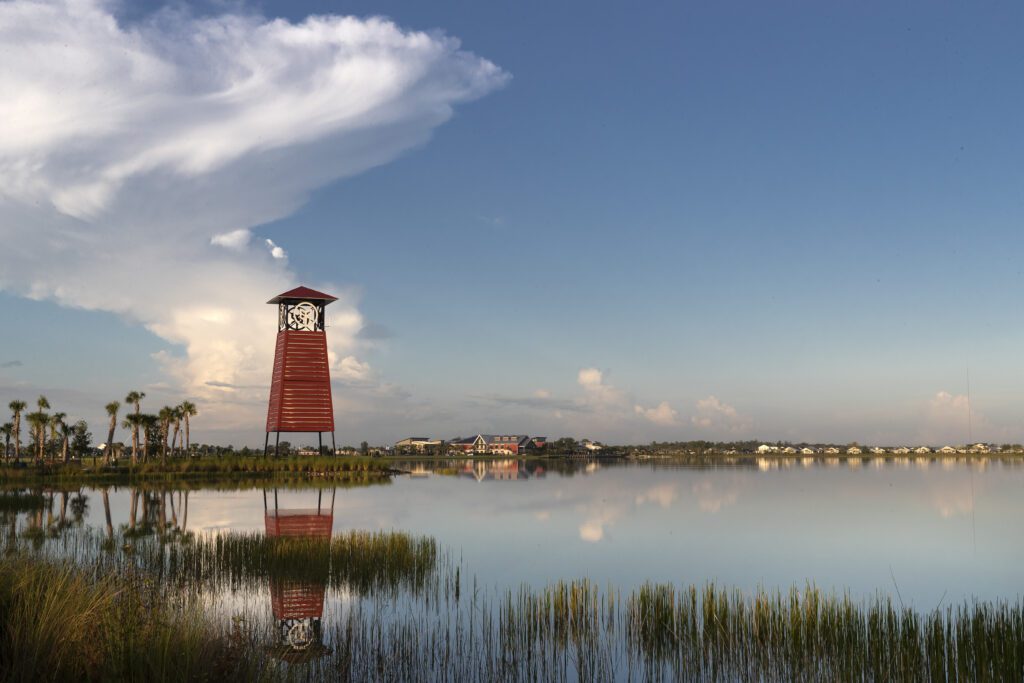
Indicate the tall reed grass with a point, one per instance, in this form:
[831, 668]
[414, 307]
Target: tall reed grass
[397, 609]
[358, 561]
[63, 623]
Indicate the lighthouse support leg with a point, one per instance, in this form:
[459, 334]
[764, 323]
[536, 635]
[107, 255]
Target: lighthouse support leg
[277, 442]
[320, 440]
[334, 446]
[266, 444]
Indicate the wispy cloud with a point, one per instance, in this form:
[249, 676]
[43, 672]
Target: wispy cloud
[950, 419]
[371, 331]
[228, 385]
[12, 364]
[536, 402]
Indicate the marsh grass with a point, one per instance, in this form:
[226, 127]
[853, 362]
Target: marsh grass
[159, 608]
[358, 561]
[65, 623]
[809, 635]
[573, 631]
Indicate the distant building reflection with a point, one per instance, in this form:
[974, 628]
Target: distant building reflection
[501, 470]
[298, 604]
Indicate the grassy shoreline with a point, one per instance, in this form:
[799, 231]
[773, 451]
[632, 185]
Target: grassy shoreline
[337, 469]
[363, 469]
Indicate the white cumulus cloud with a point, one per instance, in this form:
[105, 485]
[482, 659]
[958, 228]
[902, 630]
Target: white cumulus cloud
[276, 251]
[661, 414]
[236, 239]
[137, 157]
[596, 390]
[713, 413]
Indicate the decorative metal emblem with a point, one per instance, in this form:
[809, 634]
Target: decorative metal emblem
[303, 316]
[300, 635]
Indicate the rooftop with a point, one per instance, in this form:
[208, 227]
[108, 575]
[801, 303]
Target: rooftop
[304, 293]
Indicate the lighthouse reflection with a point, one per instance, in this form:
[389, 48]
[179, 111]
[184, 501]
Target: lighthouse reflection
[298, 604]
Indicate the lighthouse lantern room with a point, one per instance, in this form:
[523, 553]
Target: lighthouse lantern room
[300, 389]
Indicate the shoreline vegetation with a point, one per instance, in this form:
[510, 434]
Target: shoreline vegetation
[203, 469]
[348, 469]
[146, 607]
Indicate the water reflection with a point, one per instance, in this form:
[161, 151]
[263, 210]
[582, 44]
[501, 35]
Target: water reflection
[298, 605]
[770, 522]
[151, 511]
[501, 470]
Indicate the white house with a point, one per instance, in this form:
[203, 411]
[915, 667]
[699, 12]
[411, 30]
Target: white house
[831, 450]
[419, 444]
[948, 450]
[922, 450]
[789, 450]
[853, 450]
[807, 451]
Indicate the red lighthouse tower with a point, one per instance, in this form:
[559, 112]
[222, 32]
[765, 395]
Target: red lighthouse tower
[300, 391]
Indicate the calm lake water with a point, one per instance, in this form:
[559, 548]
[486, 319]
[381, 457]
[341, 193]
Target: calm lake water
[928, 531]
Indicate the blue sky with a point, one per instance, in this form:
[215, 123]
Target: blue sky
[808, 213]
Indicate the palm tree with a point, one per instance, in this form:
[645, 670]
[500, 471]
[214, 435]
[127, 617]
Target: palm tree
[66, 431]
[43, 404]
[134, 398]
[106, 513]
[166, 417]
[112, 409]
[176, 419]
[7, 429]
[16, 408]
[56, 421]
[133, 508]
[149, 429]
[38, 421]
[133, 422]
[188, 409]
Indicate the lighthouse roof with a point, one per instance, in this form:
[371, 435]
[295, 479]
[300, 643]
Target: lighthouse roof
[304, 293]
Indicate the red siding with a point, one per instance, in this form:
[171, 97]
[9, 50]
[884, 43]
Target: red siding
[299, 523]
[297, 600]
[292, 600]
[300, 391]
